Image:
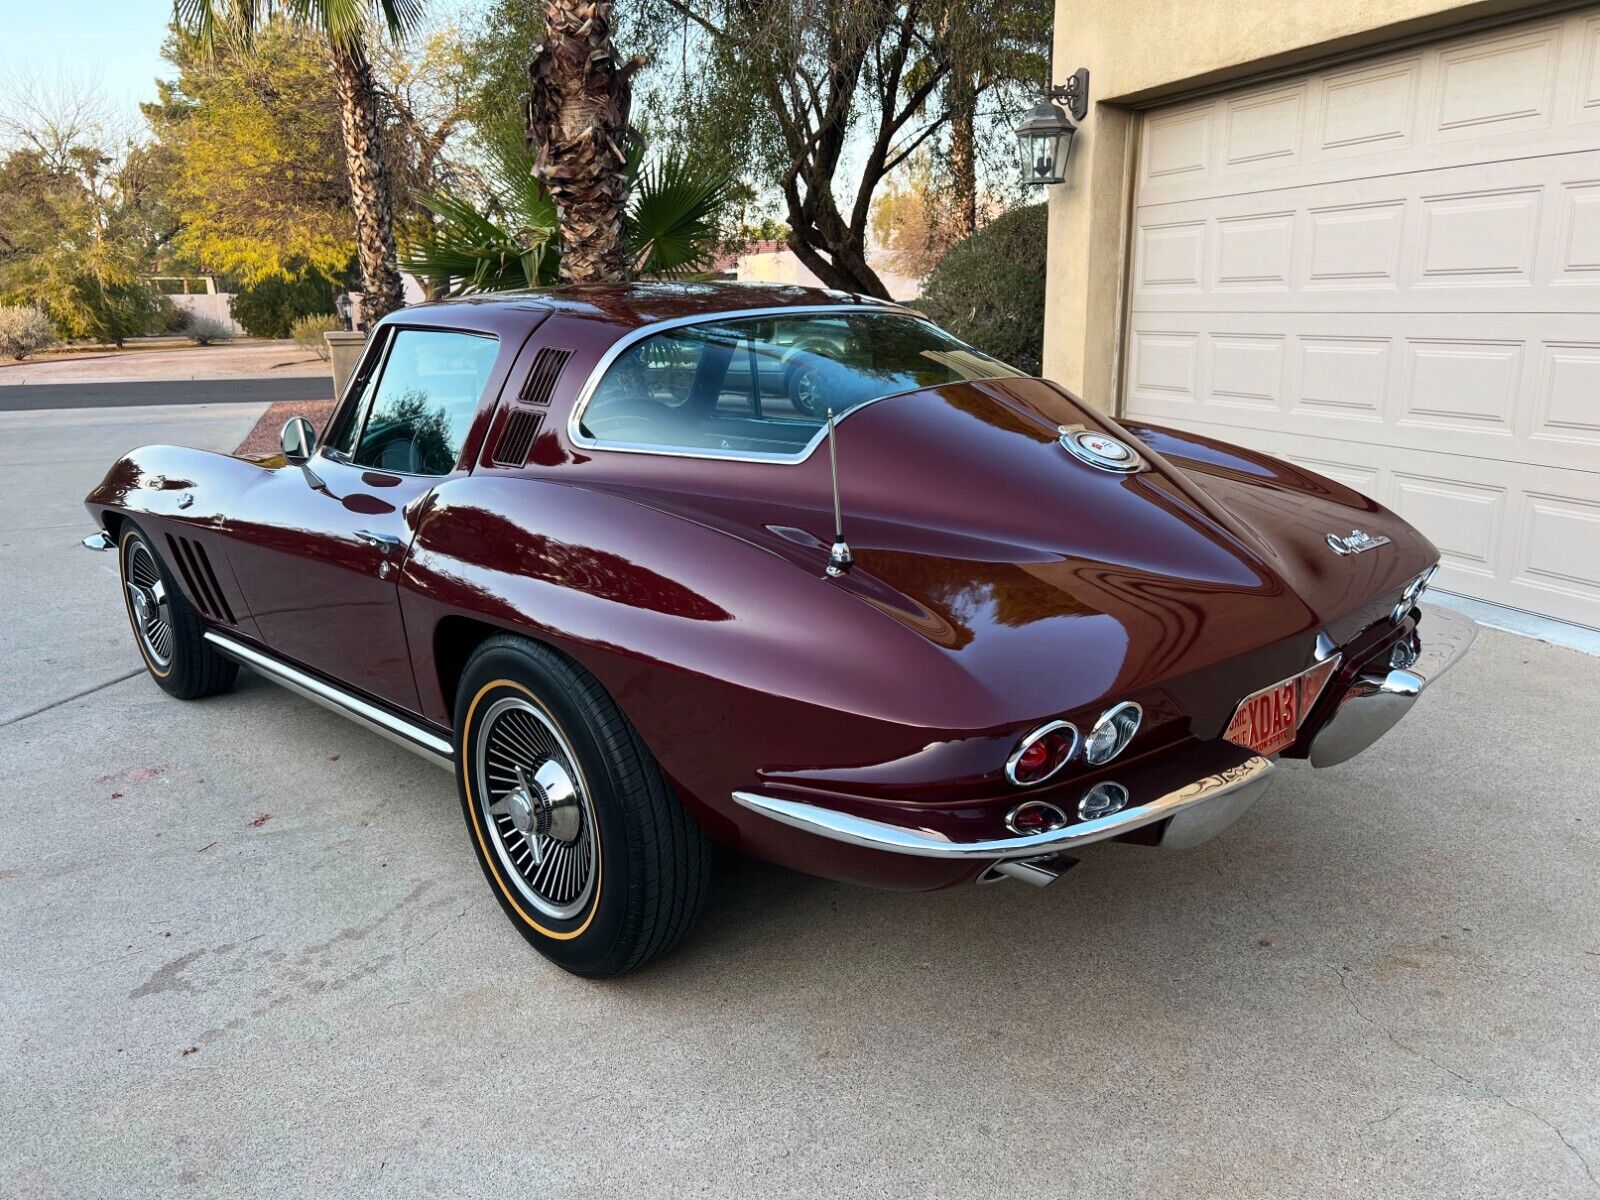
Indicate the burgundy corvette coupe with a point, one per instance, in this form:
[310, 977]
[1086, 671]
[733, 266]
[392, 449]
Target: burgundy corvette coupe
[652, 566]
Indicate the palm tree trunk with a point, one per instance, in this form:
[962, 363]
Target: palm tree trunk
[370, 200]
[963, 153]
[578, 103]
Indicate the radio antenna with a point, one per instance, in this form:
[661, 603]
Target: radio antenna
[839, 559]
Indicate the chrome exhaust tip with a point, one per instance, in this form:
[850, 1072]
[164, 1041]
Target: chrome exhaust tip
[1040, 872]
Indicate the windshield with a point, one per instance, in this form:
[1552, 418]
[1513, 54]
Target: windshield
[761, 387]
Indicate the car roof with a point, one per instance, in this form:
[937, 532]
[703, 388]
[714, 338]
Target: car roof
[634, 305]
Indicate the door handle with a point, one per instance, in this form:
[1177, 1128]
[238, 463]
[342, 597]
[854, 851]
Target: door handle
[383, 543]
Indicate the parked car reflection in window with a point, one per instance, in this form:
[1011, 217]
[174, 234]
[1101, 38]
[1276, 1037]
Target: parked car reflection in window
[763, 386]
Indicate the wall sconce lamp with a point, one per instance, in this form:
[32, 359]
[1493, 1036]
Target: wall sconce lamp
[1044, 139]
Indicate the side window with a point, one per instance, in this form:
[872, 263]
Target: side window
[413, 417]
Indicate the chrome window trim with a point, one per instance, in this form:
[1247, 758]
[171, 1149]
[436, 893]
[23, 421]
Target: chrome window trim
[620, 346]
[391, 331]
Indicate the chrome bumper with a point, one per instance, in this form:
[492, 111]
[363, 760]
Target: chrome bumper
[1201, 810]
[99, 540]
[1376, 701]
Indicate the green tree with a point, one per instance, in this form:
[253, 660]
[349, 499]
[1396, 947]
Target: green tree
[989, 289]
[271, 308]
[253, 153]
[76, 239]
[810, 94]
[343, 25]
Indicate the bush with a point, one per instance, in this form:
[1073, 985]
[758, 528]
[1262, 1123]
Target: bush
[205, 331]
[23, 329]
[173, 318]
[271, 307]
[308, 331]
[989, 289]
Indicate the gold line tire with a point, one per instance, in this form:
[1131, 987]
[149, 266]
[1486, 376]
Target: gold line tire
[585, 846]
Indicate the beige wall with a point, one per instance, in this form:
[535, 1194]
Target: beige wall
[1140, 51]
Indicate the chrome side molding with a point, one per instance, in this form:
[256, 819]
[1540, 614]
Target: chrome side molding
[1251, 776]
[1374, 703]
[414, 737]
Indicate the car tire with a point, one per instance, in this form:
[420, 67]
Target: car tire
[586, 847]
[806, 384]
[166, 627]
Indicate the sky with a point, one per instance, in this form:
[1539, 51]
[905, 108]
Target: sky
[116, 41]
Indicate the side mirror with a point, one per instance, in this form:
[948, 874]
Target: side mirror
[299, 440]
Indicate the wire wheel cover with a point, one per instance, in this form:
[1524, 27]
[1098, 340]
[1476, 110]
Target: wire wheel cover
[147, 600]
[535, 807]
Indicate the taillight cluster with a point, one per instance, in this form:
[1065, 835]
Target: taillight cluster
[1045, 750]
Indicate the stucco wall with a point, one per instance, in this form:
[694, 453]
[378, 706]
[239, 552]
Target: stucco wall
[1137, 52]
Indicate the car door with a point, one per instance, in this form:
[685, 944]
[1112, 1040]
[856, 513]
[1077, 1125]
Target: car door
[318, 549]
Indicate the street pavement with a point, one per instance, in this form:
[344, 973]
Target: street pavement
[247, 952]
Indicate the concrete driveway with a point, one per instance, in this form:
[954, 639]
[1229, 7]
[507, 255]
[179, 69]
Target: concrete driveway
[247, 952]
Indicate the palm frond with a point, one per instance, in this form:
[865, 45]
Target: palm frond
[671, 222]
[514, 247]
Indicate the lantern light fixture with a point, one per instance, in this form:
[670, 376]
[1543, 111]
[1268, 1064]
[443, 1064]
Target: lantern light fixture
[1044, 139]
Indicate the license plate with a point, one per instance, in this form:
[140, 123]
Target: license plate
[1268, 721]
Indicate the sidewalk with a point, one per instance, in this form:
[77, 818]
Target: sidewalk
[249, 359]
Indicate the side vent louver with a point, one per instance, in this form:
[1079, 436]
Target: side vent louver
[199, 580]
[522, 424]
[541, 381]
[517, 438]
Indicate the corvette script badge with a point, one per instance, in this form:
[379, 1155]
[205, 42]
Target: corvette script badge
[1356, 541]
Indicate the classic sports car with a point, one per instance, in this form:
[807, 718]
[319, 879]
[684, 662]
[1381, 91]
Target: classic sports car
[655, 566]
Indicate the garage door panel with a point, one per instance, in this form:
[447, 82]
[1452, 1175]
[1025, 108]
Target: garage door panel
[1558, 549]
[1588, 89]
[1519, 389]
[1499, 81]
[1526, 92]
[1519, 236]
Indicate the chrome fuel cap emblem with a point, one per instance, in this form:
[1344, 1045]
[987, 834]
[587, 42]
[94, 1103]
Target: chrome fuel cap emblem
[1100, 450]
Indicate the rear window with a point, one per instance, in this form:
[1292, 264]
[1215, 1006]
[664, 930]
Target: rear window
[761, 387]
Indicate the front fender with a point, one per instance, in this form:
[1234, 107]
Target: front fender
[182, 493]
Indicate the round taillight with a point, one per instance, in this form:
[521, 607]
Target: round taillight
[1412, 595]
[1035, 816]
[1112, 732]
[1042, 753]
[1102, 800]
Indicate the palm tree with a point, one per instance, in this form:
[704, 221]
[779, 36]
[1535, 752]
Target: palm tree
[578, 106]
[343, 23]
[669, 226]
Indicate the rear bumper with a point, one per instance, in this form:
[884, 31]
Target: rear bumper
[1230, 779]
[1378, 698]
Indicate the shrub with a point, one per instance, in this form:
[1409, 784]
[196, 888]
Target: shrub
[271, 307]
[989, 289]
[174, 318]
[308, 331]
[23, 329]
[204, 331]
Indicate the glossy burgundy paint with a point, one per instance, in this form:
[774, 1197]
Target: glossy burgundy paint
[999, 582]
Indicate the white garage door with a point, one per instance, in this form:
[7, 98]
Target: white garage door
[1389, 271]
